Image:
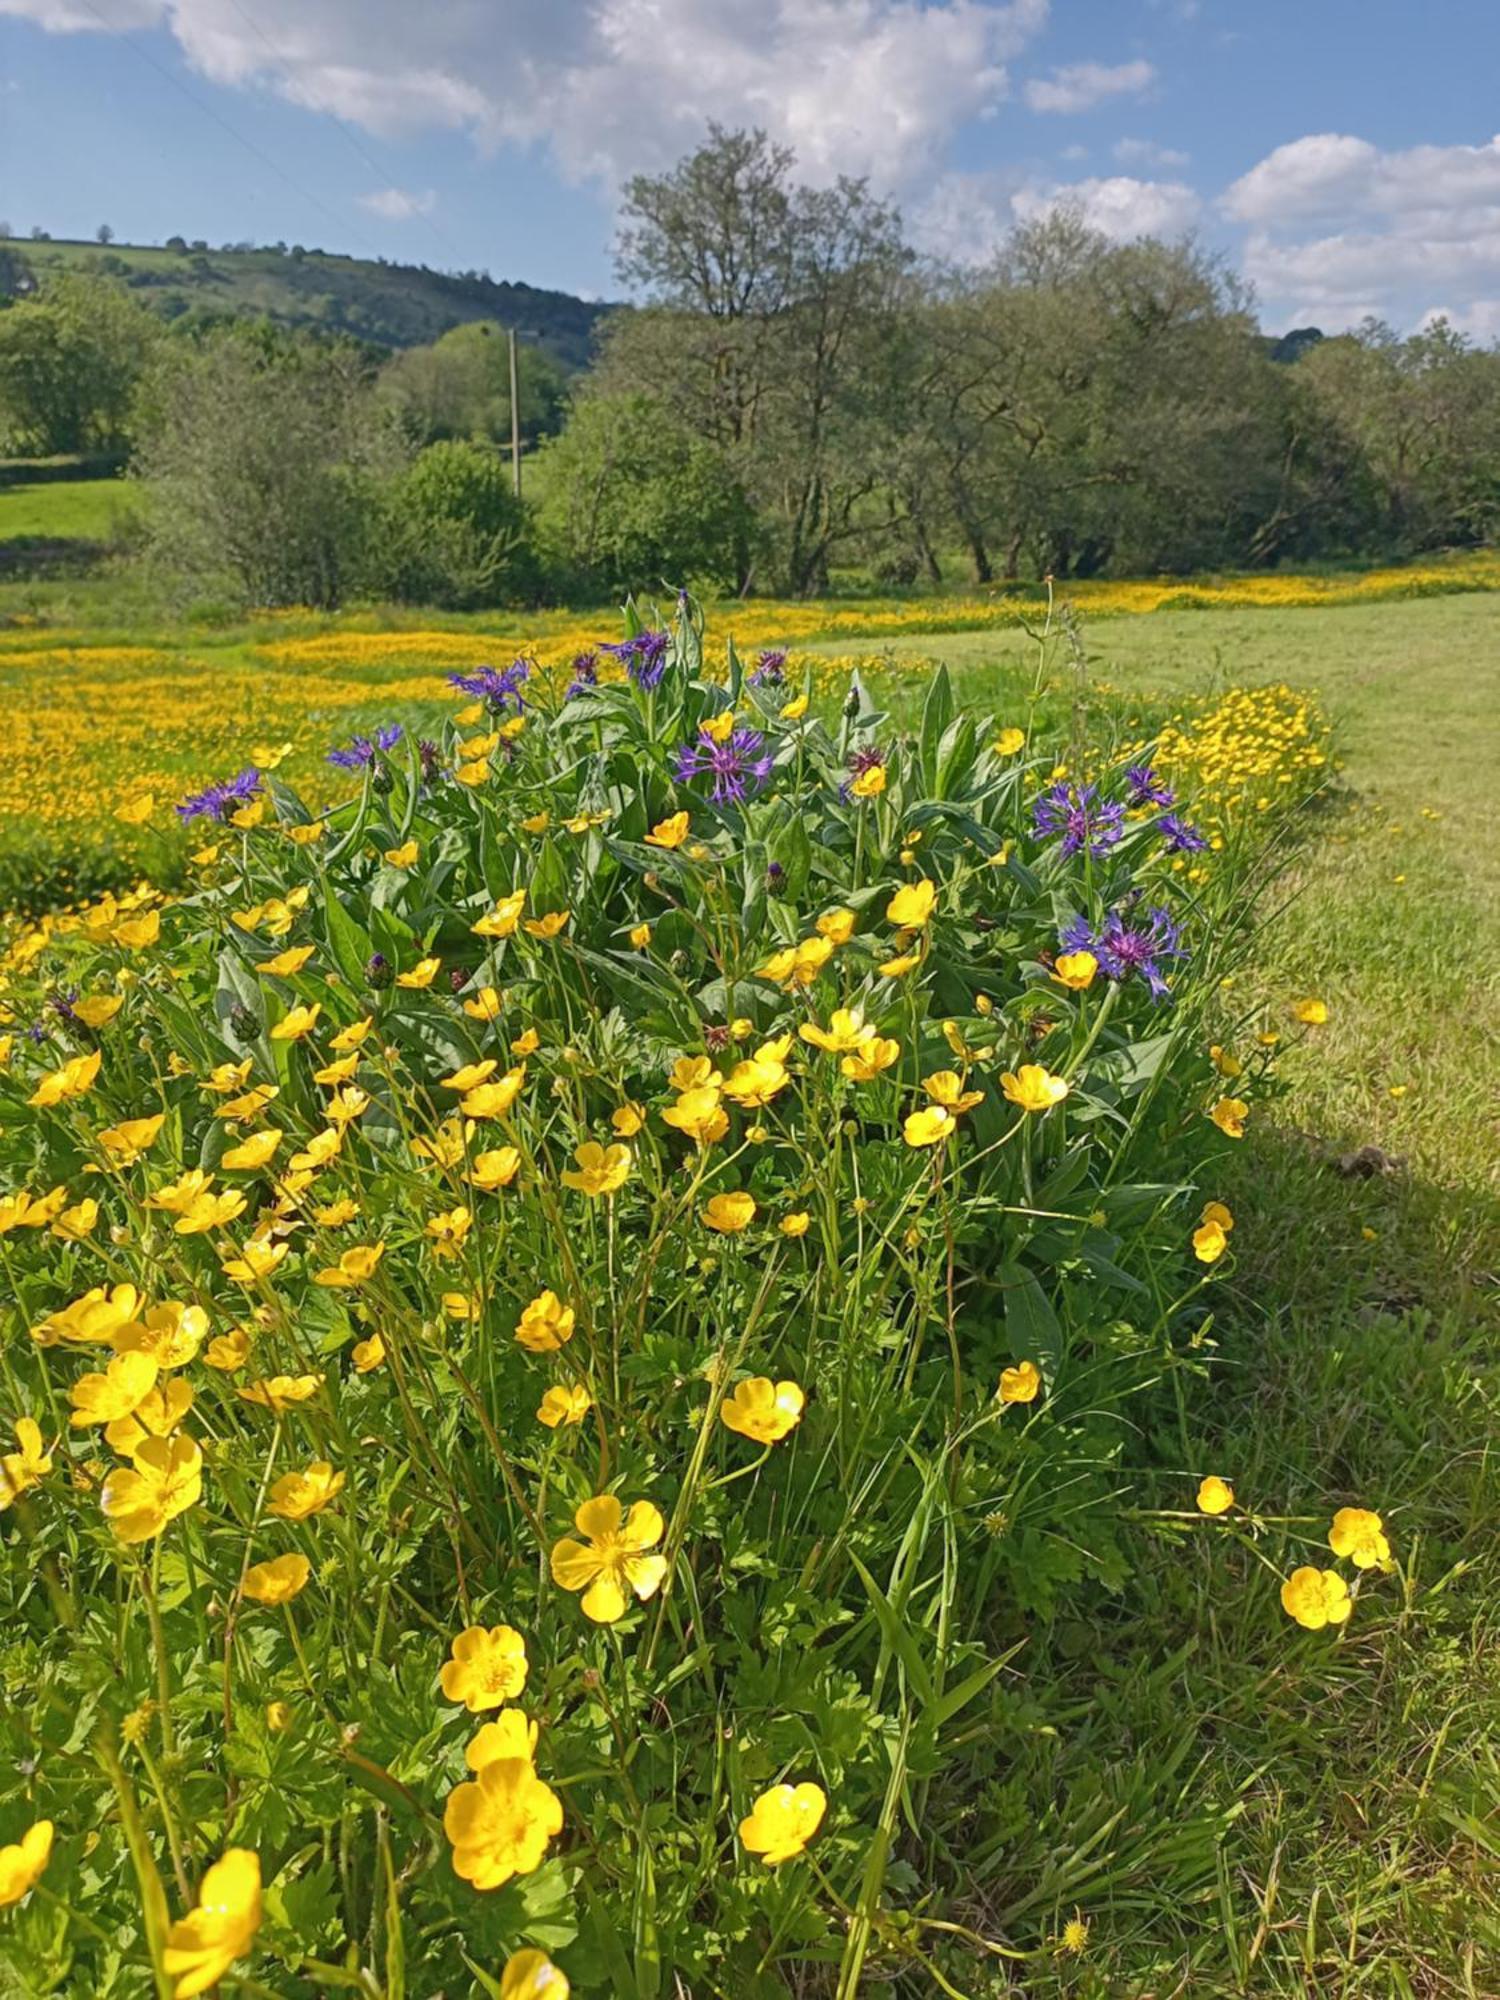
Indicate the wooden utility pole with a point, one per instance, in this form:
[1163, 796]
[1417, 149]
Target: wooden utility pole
[515, 417]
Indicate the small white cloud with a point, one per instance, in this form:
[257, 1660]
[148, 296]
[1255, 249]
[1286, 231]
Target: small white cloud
[1479, 319]
[1146, 153]
[1119, 206]
[399, 204]
[967, 217]
[1080, 86]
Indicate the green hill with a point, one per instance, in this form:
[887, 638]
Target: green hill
[391, 305]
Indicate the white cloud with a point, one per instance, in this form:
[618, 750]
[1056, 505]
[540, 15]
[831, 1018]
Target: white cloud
[1119, 206]
[613, 86]
[398, 204]
[1080, 86]
[1339, 228]
[967, 217]
[1480, 319]
[1146, 153]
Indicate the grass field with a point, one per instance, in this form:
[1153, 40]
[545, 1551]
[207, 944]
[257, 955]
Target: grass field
[65, 510]
[1232, 1806]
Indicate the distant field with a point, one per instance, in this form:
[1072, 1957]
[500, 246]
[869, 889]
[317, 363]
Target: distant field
[66, 510]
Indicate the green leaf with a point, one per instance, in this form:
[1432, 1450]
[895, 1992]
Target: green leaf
[897, 1635]
[1031, 1326]
[937, 715]
[348, 941]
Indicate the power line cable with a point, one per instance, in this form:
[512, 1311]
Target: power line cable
[208, 110]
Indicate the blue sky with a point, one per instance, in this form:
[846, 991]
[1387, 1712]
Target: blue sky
[1341, 152]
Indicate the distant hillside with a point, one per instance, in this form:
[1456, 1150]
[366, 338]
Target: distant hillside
[392, 305]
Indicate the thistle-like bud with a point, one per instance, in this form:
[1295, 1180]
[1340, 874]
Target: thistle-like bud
[379, 971]
[243, 1024]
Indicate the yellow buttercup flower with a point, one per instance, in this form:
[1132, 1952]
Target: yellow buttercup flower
[1209, 1242]
[546, 926]
[156, 1415]
[795, 1224]
[91, 1321]
[719, 728]
[795, 709]
[945, 1087]
[640, 937]
[869, 783]
[355, 1267]
[699, 1113]
[228, 1351]
[912, 905]
[485, 1005]
[782, 1822]
[628, 1119]
[1215, 1495]
[494, 1100]
[1316, 1597]
[125, 1143]
[202, 1946]
[600, 1170]
[495, 1169]
[135, 812]
[74, 1079]
[502, 920]
[404, 855]
[1009, 741]
[421, 975]
[929, 1126]
[1229, 1114]
[728, 1214]
[353, 1036]
[564, 1405]
[871, 1060]
[281, 1392]
[499, 1824]
[670, 833]
[527, 1043]
[1227, 1065]
[487, 1669]
[897, 968]
[297, 1023]
[77, 1222]
[25, 1467]
[298, 1495]
[253, 1152]
[1021, 1384]
[611, 1561]
[102, 1399]
[1075, 970]
[847, 1029]
[545, 1325]
[277, 1581]
[1359, 1535]
[99, 1009]
[164, 1479]
[1033, 1088]
[367, 1355]
[531, 1975]
[286, 964]
[754, 1082]
[22, 1863]
[448, 1232]
[762, 1409]
[1311, 1013]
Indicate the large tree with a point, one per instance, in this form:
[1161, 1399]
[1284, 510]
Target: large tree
[72, 359]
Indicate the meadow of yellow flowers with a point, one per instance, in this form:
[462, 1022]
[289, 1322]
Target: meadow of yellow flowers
[566, 1309]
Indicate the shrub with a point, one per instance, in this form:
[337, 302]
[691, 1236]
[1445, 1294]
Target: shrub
[630, 497]
[453, 532]
[580, 1304]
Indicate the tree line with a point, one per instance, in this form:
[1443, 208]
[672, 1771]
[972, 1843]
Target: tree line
[794, 399]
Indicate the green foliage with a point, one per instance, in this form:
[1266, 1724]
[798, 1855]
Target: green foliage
[846, 1613]
[72, 359]
[453, 532]
[459, 387]
[633, 500]
[261, 469]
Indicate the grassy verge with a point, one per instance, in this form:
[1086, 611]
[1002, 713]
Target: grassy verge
[1235, 1806]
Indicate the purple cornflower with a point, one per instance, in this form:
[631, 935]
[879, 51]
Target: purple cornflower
[645, 657]
[1180, 838]
[769, 670]
[585, 674]
[1146, 789]
[734, 765]
[364, 749]
[1123, 948]
[432, 762]
[1080, 816]
[496, 685]
[870, 757]
[221, 801]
